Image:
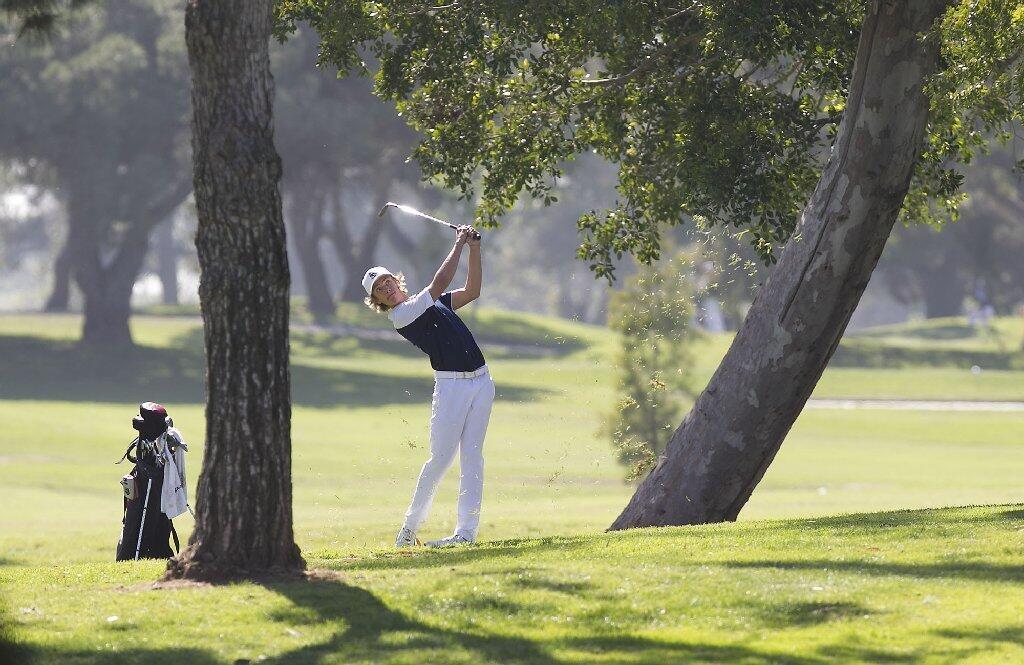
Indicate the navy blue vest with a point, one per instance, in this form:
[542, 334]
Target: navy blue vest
[435, 328]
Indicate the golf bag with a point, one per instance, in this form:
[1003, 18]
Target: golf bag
[145, 529]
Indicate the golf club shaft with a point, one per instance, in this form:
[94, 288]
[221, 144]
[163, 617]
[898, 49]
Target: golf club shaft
[413, 211]
[142, 523]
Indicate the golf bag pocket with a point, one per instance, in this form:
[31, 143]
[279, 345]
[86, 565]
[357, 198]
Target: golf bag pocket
[130, 485]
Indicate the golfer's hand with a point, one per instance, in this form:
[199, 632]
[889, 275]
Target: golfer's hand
[465, 234]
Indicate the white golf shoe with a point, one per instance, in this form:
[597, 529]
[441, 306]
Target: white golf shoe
[406, 538]
[450, 541]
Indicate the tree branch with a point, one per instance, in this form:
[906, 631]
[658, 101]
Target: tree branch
[647, 65]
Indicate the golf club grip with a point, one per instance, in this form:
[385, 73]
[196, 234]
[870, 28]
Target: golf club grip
[476, 234]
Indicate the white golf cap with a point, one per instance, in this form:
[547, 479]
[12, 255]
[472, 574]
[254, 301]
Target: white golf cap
[372, 275]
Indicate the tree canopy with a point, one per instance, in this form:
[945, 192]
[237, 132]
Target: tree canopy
[721, 111]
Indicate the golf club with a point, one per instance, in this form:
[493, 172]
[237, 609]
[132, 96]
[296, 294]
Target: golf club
[413, 211]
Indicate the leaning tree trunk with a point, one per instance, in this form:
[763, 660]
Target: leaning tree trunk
[724, 446]
[244, 499]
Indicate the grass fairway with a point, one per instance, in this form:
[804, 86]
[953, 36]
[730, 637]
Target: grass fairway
[900, 586]
[935, 586]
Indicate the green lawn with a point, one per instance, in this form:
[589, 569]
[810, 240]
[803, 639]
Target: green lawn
[930, 586]
[741, 592]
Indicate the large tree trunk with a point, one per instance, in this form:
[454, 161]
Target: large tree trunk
[244, 499]
[724, 446]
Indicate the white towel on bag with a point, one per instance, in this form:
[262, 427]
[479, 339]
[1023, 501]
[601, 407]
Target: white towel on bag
[174, 496]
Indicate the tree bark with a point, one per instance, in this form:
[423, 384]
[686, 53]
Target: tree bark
[725, 444]
[244, 498]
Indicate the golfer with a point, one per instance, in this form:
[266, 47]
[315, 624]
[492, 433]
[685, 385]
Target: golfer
[463, 389]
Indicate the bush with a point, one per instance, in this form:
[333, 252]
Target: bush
[653, 314]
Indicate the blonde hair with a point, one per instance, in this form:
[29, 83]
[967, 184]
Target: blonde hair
[380, 307]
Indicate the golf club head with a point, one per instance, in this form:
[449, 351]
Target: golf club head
[389, 204]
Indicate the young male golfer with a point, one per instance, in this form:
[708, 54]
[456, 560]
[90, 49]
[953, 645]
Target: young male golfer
[463, 389]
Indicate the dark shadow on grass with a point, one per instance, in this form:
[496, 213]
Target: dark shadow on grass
[947, 331]
[813, 613]
[11, 649]
[927, 521]
[133, 656]
[604, 648]
[988, 634]
[370, 630]
[426, 558]
[859, 653]
[973, 570]
[345, 342]
[41, 369]
[535, 581]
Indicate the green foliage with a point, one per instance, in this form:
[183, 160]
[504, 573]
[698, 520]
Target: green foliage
[652, 314]
[977, 96]
[646, 85]
[723, 111]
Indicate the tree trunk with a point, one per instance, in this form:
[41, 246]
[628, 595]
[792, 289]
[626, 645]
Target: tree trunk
[943, 292]
[724, 446]
[106, 301]
[167, 261]
[107, 290]
[307, 222]
[356, 257]
[244, 498]
[60, 295]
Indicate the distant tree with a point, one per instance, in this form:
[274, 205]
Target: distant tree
[653, 315]
[805, 120]
[531, 256]
[244, 497]
[344, 153]
[101, 105]
[166, 252]
[937, 266]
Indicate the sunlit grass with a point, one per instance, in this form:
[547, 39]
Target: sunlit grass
[906, 586]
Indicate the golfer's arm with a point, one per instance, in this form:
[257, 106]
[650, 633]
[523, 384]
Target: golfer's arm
[444, 275]
[471, 291]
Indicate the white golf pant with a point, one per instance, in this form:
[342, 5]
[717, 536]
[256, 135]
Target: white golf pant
[459, 413]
